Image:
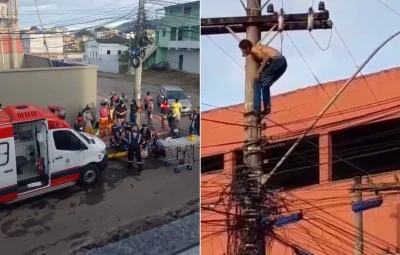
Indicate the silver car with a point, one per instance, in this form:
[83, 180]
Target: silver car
[171, 93]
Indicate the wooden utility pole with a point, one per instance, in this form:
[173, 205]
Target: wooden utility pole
[139, 70]
[359, 249]
[253, 241]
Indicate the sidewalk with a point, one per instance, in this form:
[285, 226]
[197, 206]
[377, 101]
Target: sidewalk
[178, 237]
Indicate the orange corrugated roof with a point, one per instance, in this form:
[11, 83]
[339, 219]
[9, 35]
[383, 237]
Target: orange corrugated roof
[377, 94]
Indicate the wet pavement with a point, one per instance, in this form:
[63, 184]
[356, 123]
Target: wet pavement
[51, 222]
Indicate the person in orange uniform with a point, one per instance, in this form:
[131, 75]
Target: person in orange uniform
[104, 113]
[164, 111]
[111, 117]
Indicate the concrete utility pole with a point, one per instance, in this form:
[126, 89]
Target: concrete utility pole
[254, 234]
[359, 249]
[252, 151]
[139, 70]
[358, 188]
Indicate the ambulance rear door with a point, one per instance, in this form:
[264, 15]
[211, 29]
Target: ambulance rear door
[8, 166]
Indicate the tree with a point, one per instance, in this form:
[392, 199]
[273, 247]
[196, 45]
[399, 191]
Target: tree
[82, 46]
[34, 28]
[83, 32]
[101, 28]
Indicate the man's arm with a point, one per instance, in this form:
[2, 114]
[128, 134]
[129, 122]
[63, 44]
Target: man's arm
[263, 64]
[260, 54]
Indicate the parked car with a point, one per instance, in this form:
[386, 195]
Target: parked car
[173, 92]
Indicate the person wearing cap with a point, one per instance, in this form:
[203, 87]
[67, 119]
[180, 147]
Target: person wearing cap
[87, 117]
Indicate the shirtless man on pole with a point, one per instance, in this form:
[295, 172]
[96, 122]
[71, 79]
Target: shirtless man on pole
[272, 66]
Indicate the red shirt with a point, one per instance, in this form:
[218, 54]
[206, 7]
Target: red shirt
[164, 106]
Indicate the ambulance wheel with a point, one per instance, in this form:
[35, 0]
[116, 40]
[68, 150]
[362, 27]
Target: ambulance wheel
[177, 170]
[189, 167]
[181, 162]
[89, 175]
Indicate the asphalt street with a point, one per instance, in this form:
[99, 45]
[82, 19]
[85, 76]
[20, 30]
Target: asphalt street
[50, 223]
[107, 85]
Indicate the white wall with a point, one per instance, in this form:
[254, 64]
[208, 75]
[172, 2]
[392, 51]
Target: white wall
[113, 48]
[191, 60]
[34, 43]
[96, 54]
[107, 66]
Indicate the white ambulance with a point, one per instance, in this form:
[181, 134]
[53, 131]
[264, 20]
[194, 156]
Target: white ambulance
[40, 153]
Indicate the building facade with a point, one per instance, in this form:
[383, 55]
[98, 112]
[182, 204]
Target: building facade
[105, 53]
[178, 37]
[35, 43]
[357, 136]
[11, 52]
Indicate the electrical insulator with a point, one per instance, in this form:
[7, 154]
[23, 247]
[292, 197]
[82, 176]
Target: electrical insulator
[310, 19]
[270, 8]
[321, 6]
[281, 20]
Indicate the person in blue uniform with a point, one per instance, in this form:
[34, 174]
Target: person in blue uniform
[134, 140]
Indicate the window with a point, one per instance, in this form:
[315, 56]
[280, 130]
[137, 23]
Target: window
[187, 10]
[185, 33]
[180, 34]
[370, 149]
[300, 169]
[212, 163]
[195, 33]
[173, 34]
[108, 52]
[157, 36]
[119, 52]
[65, 140]
[176, 95]
[164, 32]
[4, 153]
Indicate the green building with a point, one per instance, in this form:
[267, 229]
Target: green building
[177, 38]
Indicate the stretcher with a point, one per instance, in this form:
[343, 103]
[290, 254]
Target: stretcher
[180, 152]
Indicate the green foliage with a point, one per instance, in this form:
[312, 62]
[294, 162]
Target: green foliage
[83, 32]
[101, 28]
[82, 46]
[125, 57]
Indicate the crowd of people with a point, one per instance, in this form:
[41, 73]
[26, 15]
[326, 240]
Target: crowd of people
[115, 112]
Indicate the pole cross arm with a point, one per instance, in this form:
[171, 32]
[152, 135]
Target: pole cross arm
[299, 21]
[376, 187]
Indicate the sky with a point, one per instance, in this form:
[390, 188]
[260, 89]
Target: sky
[77, 14]
[363, 25]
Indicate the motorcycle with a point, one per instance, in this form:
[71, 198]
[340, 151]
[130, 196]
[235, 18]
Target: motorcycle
[112, 98]
[173, 126]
